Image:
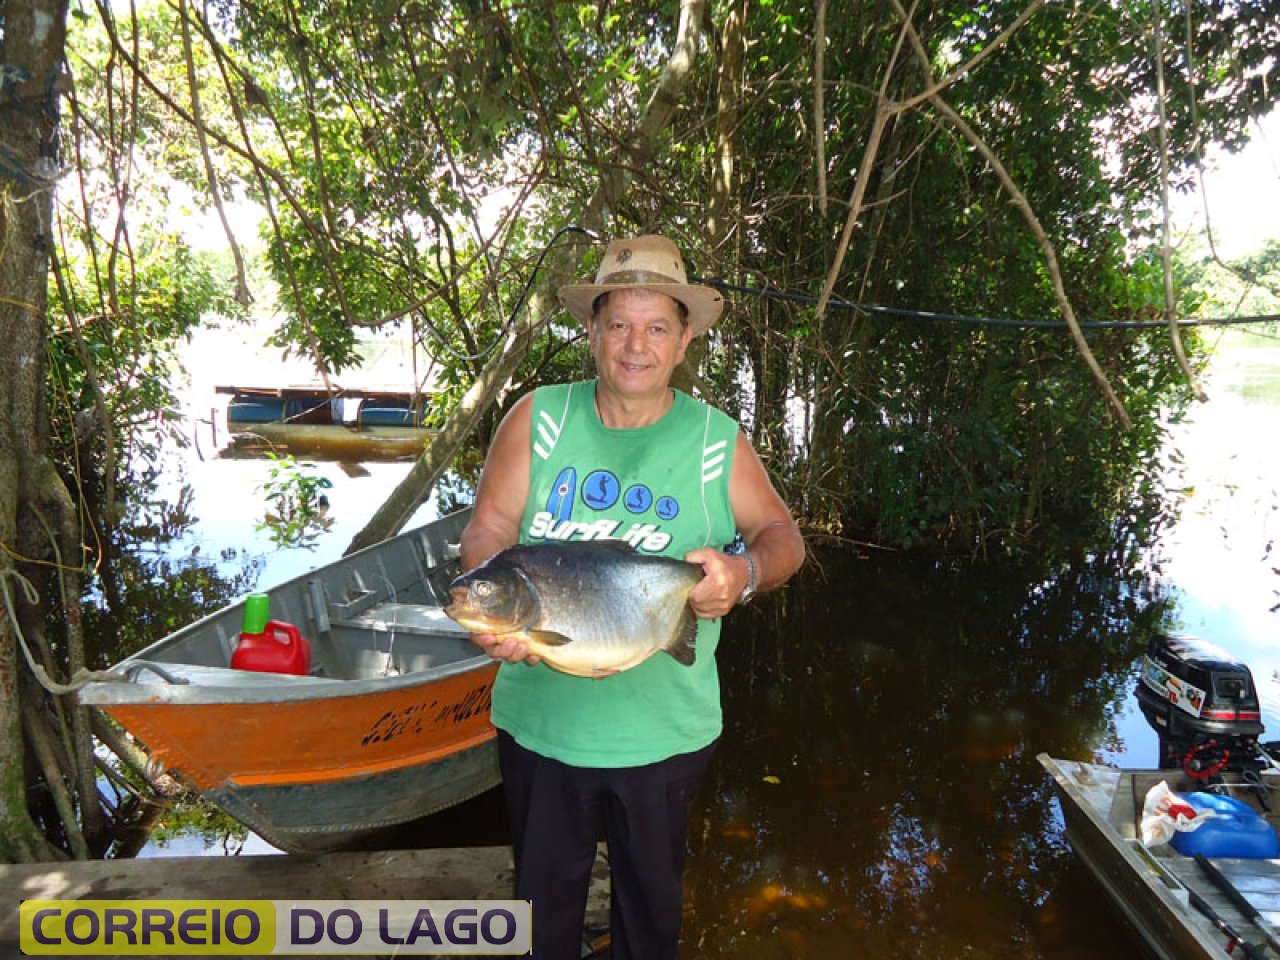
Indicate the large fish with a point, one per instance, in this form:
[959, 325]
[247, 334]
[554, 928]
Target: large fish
[590, 608]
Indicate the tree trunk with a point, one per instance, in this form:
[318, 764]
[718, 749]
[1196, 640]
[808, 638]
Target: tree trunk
[409, 493]
[33, 42]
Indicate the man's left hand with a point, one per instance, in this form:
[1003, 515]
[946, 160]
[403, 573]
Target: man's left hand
[724, 576]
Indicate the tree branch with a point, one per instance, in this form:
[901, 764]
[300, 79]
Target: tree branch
[819, 101]
[1033, 222]
[1166, 251]
[243, 297]
[494, 378]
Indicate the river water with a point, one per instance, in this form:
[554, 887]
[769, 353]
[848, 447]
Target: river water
[876, 791]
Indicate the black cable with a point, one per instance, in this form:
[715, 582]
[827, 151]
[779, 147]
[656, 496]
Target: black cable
[528, 284]
[519, 304]
[783, 295]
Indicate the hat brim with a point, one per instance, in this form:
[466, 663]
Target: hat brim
[703, 303]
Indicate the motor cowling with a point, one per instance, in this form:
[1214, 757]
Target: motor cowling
[1202, 703]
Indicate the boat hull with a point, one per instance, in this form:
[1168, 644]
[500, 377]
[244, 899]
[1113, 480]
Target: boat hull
[314, 818]
[316, 773]
[392, 725]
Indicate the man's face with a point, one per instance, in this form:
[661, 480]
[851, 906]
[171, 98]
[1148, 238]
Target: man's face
[637, 338]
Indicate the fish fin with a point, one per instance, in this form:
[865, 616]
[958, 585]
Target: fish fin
[684, 650]
[549, 638]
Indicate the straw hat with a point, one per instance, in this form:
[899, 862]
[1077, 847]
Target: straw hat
[646, 263]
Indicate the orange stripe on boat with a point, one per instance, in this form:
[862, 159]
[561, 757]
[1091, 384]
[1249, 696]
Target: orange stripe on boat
[352, 772]
[308, 741]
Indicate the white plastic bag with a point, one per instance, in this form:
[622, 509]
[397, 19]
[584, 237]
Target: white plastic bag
[1164, 813]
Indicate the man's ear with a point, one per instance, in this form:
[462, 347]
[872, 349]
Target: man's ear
[686, 338]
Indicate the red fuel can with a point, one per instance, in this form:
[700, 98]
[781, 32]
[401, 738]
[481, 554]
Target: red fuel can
[270, 646]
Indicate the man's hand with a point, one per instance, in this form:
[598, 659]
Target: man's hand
[724, 576]
[510, 649]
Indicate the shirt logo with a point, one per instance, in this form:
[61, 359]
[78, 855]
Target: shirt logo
[600, 490]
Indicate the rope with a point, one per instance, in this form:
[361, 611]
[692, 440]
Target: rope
[81, 678]
[783, 295]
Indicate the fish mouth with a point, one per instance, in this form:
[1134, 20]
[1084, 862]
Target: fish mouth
[461, 619]
[455, 609]
[461, 613]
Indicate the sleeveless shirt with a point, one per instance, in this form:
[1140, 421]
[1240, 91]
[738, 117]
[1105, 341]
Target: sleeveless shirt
[664, 488]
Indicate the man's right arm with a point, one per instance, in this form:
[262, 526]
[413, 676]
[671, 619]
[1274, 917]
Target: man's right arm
[503, 489]
[498, 510]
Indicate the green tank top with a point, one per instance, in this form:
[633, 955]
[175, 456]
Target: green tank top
[664, 488]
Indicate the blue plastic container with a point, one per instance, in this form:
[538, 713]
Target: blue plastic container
[389, 413]
[254, 409]
[1237, 831]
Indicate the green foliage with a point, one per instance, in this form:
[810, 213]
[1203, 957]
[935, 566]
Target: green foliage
[414, 158]
[126, 346]
[1248, 285]
[297, 507]
[928, 432]
[191, 816]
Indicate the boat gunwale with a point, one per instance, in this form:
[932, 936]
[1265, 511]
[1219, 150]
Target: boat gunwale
[279, 688]
[274, 688]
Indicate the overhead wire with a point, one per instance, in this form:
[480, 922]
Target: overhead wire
[500, 339]
[789, 297]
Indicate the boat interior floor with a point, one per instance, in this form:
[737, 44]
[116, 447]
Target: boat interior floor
[1258, 880]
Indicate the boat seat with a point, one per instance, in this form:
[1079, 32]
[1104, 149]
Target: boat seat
[411, 618]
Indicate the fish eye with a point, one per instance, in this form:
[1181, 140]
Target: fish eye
[482, 588]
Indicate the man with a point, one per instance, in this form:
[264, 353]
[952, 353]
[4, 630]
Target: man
[629, 455]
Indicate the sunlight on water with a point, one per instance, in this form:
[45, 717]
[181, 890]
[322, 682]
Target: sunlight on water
[228, 498]
[1219, 558]
[1221, 555]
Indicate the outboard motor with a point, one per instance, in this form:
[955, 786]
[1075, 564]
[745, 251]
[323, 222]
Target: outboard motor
[1204, 706]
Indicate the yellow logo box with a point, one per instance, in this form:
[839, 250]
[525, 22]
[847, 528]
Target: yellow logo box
[206, 928]
[147, 927]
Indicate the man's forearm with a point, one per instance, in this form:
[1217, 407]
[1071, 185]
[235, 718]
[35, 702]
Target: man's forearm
[778, 551]
[480, 542]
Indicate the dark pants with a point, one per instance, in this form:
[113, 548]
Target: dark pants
[555, 809]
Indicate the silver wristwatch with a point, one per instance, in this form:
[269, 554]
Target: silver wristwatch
[753, 574]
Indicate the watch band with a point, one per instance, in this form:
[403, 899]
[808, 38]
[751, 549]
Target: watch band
[753, 574]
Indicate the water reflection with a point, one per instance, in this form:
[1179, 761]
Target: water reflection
[877, 784]
[153, 576]
[1221, 556]
[345, 445]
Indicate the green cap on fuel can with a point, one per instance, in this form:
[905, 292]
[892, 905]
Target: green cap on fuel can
[256, 613]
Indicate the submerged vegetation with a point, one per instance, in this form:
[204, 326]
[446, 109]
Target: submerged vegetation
[296, 503]
[959, 203]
